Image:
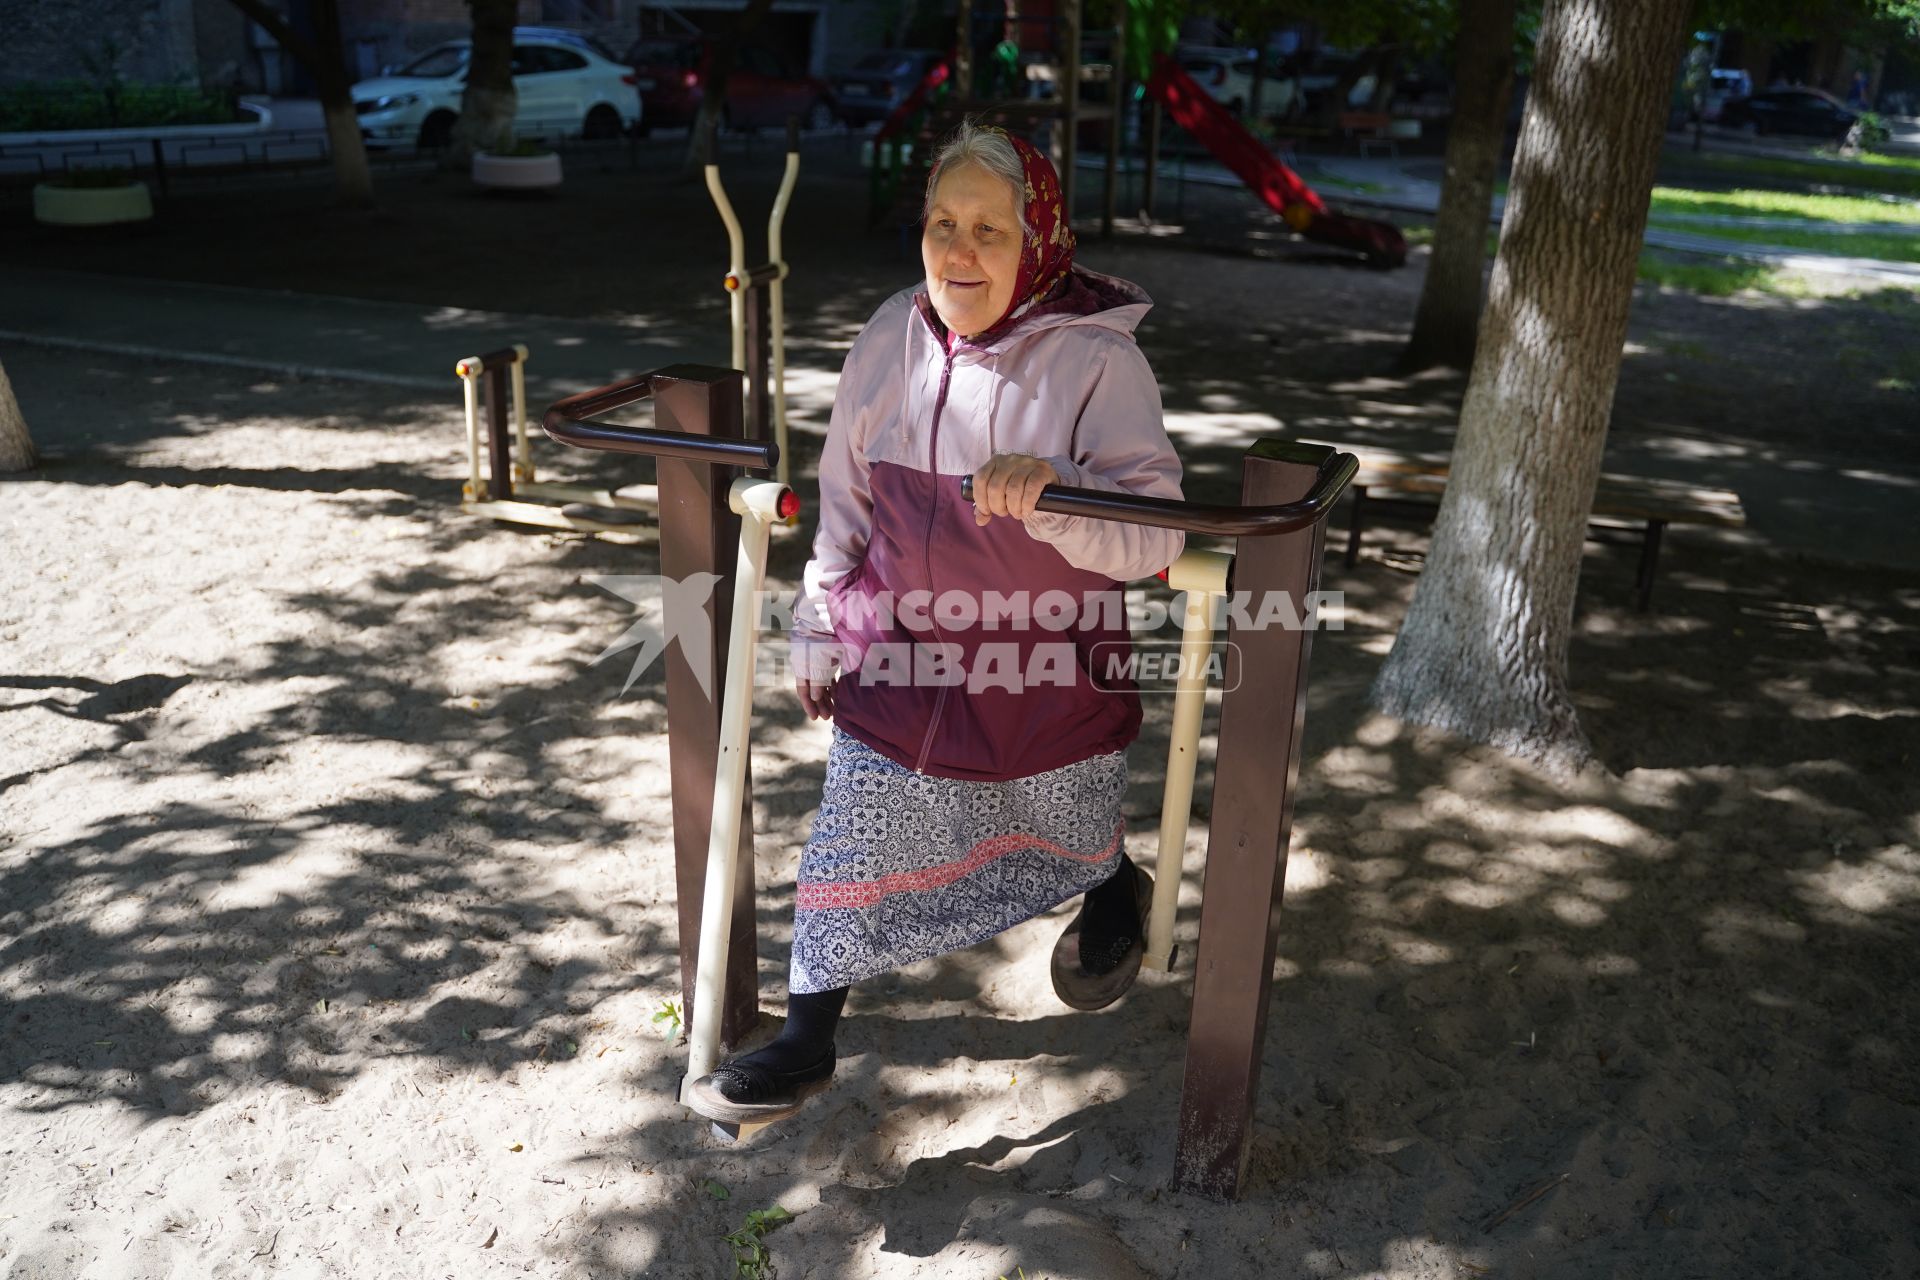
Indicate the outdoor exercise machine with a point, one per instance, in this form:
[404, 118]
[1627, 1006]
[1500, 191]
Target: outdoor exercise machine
[511, 489]
[756, 298]
[1287, 489]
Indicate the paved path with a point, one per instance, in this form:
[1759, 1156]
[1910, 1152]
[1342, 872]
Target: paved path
[278, 331]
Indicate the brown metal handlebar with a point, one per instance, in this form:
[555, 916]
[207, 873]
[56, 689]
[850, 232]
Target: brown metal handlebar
[1335, 472]
[566, 421]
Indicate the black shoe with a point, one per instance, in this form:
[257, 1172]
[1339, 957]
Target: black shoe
[744, 1092]
[1074, 979]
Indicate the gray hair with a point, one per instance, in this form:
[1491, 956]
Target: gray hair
[993, 151]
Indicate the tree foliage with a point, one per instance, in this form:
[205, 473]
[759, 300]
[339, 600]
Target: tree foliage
[1860, 21]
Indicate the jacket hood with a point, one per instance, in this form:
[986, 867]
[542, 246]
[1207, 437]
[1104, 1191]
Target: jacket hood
[1085, 297]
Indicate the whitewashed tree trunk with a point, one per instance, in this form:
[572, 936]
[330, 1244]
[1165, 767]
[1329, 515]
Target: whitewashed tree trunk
[1483, 652]
[16, 446]
[325, 60]
[489, 103]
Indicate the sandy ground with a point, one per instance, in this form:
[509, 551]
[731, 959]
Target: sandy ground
[335, 898]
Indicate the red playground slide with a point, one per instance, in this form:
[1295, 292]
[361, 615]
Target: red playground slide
[1194, 110]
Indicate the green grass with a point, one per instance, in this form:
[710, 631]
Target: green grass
[1891, 246]
[1793, 205]
[1355, 186]
[1714, 277]
[750, 1258]
[1869, 171]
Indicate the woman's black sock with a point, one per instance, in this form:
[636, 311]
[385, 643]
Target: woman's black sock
[1112, 920]
[812, 1018]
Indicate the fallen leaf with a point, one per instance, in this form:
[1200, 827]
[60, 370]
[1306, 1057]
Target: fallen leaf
[515, 1146]
[491, 1239]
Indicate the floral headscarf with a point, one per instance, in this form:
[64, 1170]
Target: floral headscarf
[1046, 252]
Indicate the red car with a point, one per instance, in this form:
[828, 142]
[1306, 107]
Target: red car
[762, 90]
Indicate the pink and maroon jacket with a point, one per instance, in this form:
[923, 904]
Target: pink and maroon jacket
[914, 415]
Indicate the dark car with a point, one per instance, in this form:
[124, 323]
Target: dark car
[1805, 111]
[879, 82]
[762, 90]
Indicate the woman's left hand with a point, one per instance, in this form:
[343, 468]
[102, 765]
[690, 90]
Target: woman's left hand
[1009, 485]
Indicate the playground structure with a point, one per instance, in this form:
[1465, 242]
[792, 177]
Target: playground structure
[945, 96]
[1277, 186]
[956, 89]
[1287, 491]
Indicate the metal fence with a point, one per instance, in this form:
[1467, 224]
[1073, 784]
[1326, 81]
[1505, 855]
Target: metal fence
[180, 163]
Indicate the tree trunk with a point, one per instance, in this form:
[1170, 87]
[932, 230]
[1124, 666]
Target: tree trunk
[326, 61]
[713, 95]
[903, 25]
[1334, 105]
[1259, 77]
[1386, 78]
[1449, 312]
[1483, 652]
[489, 103]
[16, 446]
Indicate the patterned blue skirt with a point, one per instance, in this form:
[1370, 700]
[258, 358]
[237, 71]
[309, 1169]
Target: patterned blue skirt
[902, 866]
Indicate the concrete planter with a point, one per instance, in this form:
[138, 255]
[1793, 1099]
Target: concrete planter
[261, 122]
[516, 173]
[91, 206]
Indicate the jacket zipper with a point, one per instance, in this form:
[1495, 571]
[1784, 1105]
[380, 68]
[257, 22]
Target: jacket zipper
[926, 550]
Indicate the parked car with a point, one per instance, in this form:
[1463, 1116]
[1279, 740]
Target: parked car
[1803, 111]
[762, 89]
[1303, 82]
[566, 84]
[1226, 74]
[1723, 86]
[879, 82]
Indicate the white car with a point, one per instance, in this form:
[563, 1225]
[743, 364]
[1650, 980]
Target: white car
[567, 85]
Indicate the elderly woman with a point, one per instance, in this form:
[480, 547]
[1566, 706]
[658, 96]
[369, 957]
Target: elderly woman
[979, 753]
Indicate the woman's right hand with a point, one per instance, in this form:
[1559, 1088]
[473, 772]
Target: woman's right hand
[815, 696]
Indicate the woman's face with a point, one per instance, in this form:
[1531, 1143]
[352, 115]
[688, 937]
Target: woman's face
[971, 248]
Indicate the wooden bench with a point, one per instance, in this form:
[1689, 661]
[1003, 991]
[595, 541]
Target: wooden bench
[1368, 129]
[1644, 508]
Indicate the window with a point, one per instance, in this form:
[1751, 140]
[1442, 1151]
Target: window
[444, 61]
[552, 58]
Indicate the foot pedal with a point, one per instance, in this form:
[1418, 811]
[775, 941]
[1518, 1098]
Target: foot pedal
[604, 515]
[734, 1132]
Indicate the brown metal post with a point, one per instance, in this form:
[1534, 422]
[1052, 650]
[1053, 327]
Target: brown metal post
[499, 437]
[963, 52]
[1116, 120]
[1151, 177]
[699, 534]
[1261, 717]
[1069, 106]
